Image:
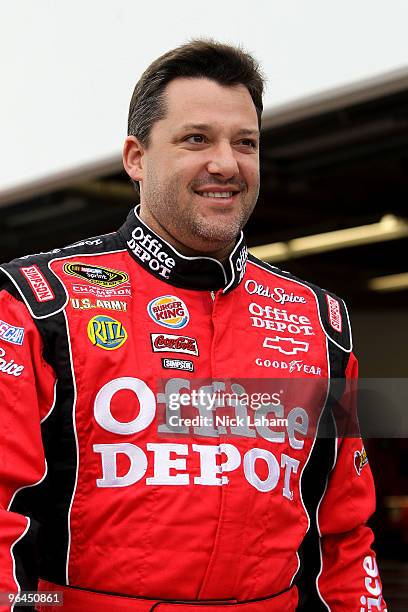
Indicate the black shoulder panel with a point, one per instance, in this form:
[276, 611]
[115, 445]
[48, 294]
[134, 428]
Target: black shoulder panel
[333, 313]
[42, 292]
[40, 289]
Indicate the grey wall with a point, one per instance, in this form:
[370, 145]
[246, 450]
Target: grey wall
[381, 342]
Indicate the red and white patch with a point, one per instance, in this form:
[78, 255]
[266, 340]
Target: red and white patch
[334, 313]
[40, 287]
[360, 460]
[163, 343]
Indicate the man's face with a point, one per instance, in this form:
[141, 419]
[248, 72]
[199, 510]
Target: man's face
[200, 172]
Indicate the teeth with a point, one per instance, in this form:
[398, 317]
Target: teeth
[217, 194]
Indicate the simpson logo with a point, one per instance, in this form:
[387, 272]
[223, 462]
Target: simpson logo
[104, 277]
[164, 343]
[169, 311]
[360, 460]
[334, 313]
[10, 333]
[106, 333]
[178, 364]
[40, 287]
[288, 346]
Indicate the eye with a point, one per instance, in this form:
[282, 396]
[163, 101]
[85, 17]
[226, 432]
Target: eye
[248, 142]
[195, 139]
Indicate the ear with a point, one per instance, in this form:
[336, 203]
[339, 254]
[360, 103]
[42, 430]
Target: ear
[132, 156]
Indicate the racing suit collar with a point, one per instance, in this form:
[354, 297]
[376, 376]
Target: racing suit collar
[163, 261]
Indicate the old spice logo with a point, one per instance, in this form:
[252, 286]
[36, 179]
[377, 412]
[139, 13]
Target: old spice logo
[278, 294]
[175, 344]
[40, 287]
[9, 367]
[334, 313]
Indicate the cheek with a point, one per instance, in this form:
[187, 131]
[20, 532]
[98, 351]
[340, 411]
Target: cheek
[252, 175]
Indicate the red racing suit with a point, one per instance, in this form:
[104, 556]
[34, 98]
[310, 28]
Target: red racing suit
[111, 494]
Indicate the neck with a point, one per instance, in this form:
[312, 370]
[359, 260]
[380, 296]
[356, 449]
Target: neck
[221, 254]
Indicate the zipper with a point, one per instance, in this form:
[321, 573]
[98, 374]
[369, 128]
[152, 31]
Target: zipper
[212, 293]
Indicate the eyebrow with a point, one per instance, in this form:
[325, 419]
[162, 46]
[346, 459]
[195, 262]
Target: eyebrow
[206, 127]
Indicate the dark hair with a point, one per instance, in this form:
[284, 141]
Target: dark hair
[225, 64]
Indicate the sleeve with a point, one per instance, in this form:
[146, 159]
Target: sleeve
[349, 579]
[27, 386]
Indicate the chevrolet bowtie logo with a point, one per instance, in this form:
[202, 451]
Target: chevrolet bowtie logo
[288, 346]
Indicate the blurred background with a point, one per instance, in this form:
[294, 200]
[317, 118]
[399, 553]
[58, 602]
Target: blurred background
[333, 204]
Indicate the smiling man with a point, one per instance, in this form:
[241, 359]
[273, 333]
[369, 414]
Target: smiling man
[199, 178]
[126, 481]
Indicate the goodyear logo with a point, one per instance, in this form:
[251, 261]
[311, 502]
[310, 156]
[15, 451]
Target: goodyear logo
[169, 311]
[107, 333]
[97, 275]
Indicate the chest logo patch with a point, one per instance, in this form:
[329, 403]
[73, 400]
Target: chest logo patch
[334, 313]
[106, 333]
[40, 287]
[11, 333]
[360, 460]
[97, 275]
[162, 343]
[169, 311]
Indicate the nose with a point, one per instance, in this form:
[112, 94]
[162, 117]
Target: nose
[223, 161]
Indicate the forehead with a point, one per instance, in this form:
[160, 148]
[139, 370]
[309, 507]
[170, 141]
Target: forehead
[200, 100]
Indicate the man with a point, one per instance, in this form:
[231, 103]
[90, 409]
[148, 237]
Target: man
[109, 494]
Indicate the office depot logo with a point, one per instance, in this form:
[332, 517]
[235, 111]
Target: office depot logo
[37, 282]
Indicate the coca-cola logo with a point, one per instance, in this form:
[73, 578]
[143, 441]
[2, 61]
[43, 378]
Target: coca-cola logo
[162, 343]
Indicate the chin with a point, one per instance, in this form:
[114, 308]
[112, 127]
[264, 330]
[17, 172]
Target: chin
[218, 233]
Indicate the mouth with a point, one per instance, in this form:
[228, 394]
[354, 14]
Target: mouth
[220, 196]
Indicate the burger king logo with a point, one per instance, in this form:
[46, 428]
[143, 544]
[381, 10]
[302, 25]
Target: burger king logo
[169, 311]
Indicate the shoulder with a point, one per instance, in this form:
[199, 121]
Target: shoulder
[331, 310]
[32, 279]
